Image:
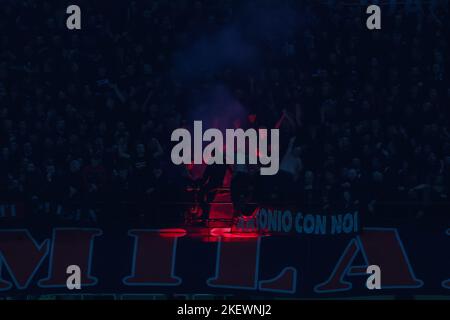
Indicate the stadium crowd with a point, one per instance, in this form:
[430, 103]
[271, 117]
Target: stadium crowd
[86, 116]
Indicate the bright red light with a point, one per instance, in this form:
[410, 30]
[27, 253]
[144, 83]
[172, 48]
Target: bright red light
[226, 233]
[172, 233]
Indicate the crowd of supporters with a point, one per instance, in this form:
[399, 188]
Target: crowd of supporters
[86, 116]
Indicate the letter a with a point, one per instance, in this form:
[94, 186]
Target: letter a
[374, 21]
[74, 280]
[74, 20]
[378, 246]
[183, 147]
[374, 280]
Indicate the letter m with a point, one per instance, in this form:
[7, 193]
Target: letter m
[241, 137]
[21, 255]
